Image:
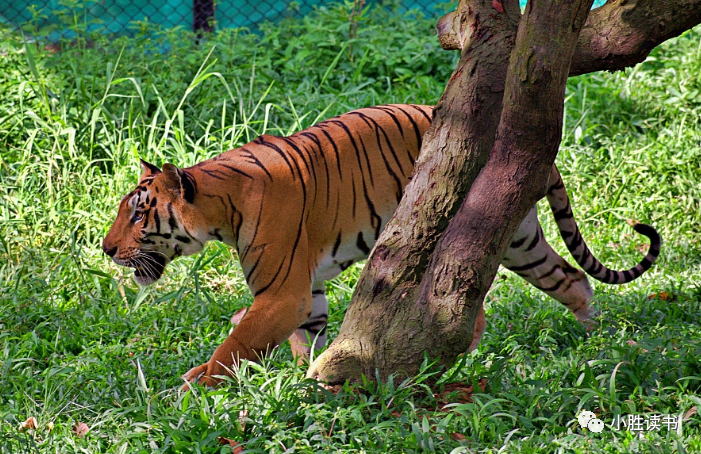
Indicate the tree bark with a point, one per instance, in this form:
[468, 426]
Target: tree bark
[617, 35]
[423, 284]
[465, 261]
[622, 33]
[397, 313]
[455, 148]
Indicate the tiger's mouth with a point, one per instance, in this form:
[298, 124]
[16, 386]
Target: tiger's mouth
[148, 267]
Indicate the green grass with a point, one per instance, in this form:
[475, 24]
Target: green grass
[80, 342]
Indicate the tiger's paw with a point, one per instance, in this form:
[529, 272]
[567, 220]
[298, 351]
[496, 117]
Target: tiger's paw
[200, 374]
[587, 317]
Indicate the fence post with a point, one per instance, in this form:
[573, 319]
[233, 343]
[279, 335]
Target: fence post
[203, 15]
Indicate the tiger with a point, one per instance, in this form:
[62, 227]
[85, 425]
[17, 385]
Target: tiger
[301, 209]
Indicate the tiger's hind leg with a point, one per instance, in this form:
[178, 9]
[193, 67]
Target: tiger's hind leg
[531, 257]
[313, 330]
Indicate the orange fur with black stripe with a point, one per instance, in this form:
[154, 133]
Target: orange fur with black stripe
[301, 209]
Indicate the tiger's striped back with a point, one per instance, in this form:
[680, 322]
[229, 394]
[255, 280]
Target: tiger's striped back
[343, 179]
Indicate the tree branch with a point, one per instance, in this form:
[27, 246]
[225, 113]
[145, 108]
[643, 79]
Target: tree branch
[617, 35]
[623, 32]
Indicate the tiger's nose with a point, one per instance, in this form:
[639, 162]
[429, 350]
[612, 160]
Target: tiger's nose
[108, 250]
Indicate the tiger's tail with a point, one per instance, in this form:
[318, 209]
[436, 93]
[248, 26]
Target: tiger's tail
[562, 210]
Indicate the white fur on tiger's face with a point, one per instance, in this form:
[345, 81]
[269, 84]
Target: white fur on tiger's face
[301, 209]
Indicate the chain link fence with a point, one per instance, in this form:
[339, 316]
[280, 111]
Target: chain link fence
[57, 17]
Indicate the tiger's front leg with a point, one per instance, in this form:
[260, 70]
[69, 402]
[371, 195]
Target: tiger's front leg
[282, 302]
[313, 330]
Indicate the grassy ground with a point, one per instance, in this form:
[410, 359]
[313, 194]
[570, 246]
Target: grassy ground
[81, 343]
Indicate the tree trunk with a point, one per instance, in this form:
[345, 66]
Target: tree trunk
[400, 308]
[423, 285]
[466, 259]
[455, 148]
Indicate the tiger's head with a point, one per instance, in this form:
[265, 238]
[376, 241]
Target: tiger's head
[155, 223]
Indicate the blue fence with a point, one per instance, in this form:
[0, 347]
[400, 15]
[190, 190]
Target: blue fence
[119, 16]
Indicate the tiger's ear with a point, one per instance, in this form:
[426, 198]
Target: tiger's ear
[179, 181]
[149, 169]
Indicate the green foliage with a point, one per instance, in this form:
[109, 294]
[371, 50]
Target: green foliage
[80, 342]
